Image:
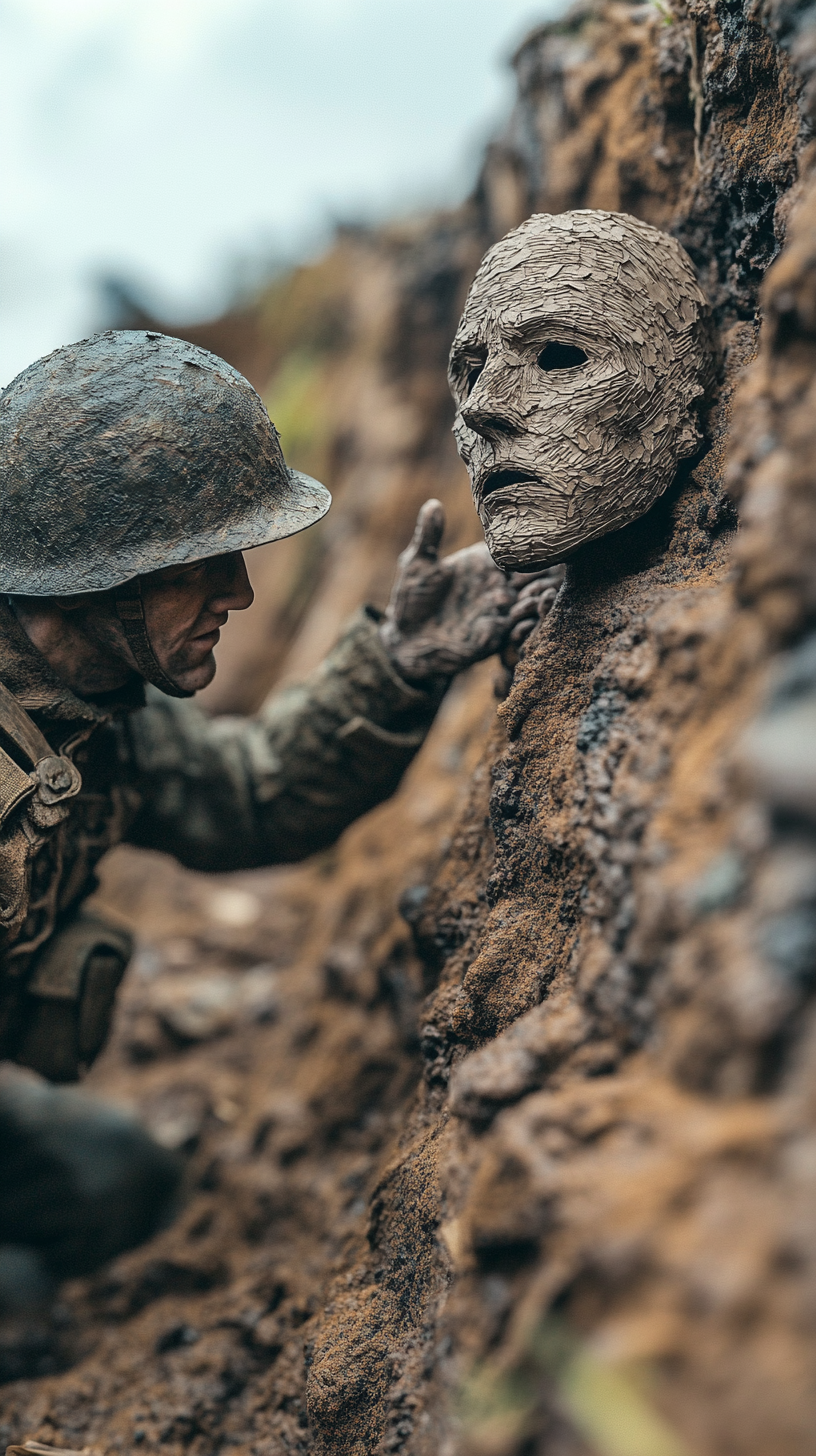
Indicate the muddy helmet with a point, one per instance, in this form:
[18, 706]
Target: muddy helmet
[131, 451]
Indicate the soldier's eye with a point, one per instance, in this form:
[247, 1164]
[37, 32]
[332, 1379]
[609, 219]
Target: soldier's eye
[185, 575]
[560, 356]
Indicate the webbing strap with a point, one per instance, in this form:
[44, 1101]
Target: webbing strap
[21, 729]
[15, 785]
[130, 611]
[54, 777]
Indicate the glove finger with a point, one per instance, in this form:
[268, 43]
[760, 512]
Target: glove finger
[532, 589]
[428, 532]
[547, 576]
[500, 600]
[523, 609]
[524, 578]
[523, 630]
[487, 637]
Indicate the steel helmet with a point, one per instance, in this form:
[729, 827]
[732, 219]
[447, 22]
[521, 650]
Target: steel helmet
[131, 451]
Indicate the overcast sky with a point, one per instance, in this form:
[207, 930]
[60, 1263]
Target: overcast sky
[177, 142]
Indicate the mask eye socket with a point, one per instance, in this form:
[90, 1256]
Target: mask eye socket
[474, 369]
[560, 356]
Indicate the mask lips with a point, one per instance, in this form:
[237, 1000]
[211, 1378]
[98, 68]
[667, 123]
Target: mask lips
[504, 477]
[498, 479]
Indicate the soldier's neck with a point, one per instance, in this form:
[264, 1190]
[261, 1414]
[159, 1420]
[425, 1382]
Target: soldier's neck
[87, 666]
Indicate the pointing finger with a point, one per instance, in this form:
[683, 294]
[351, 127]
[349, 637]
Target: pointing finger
[429, 530]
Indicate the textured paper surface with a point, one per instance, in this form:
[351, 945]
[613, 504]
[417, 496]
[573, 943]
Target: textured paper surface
[560, 456]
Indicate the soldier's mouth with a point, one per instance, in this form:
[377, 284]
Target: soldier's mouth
[500, 479]
[214, 633]
[208, 639]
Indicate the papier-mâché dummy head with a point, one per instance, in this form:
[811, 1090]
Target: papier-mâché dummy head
[578, 367]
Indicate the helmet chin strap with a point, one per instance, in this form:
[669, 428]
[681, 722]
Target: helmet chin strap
[130, 611]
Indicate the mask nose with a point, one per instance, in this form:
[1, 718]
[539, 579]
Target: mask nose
[488, 409]
[490, 418]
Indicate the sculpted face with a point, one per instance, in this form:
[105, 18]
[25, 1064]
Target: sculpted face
[577, 368]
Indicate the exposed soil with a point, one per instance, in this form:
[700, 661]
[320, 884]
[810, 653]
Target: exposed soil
[527, 1167]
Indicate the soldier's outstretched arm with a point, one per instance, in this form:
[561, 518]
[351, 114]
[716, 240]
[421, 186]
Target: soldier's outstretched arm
[236, 793]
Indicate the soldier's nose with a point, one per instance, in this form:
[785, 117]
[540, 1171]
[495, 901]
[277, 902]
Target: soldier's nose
[233, 592]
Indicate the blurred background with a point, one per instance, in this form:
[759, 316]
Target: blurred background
[187, 149]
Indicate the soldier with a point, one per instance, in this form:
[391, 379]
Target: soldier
[136, 469]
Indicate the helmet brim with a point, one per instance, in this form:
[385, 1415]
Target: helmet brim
[306, 503]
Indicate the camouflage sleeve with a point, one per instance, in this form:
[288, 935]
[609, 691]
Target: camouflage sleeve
[236, 793]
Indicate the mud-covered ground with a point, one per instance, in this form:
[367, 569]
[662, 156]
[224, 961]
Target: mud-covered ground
[526, 1168]
[268, 1028]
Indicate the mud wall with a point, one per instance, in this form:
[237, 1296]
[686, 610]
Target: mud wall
[528, 1168]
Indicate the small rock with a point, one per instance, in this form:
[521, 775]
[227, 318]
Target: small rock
[176, 1338]
[518, 1060]
[720, 886]
[176, 1116]
[235, 908]
[412, 903]
[198, 1008]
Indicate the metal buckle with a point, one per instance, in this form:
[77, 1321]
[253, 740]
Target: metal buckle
[56, 779]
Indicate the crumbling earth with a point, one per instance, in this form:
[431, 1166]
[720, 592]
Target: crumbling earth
[525, 1167]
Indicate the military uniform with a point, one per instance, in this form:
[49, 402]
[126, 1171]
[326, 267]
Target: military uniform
[122, 455]
[218, 794]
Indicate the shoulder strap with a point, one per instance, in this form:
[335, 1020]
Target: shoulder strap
[21, 729]
[15, 785]
[53, 776]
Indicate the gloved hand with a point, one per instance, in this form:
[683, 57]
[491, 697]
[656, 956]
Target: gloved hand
[537, 592]
[446, 614]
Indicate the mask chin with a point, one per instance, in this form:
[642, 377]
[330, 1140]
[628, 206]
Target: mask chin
[535, 556]
[529, 526]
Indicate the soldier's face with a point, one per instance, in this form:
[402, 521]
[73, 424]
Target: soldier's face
[185, 609]
[561, 421]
